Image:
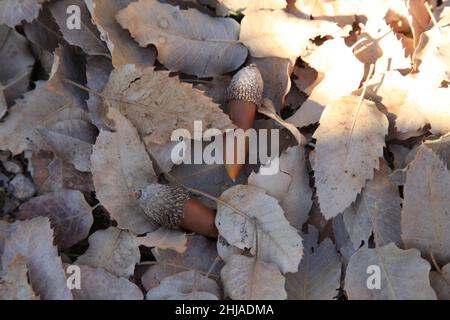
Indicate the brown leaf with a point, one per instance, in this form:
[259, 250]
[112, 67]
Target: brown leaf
[14, 284]
[112, 249]
[13, 12]
[209, 50]
[88, 37]
[17, 64]
[33, 239]
[124, 50]
[120, 166]
[69, 213]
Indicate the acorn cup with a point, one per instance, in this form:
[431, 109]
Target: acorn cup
[244, 95]
[172, 207]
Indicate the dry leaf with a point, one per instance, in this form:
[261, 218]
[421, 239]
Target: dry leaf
[188, 285]
[377, 210]
[426, 207]
[69, 213]
[441, 147]
[343, 73]
[187, 40]
[169, 105]
[249, 278]
[14, 285]
[440, 281]
[279, 34]
[72, 141]
[404, 275]
[13, 12]
[120, 166]
[17, 64]
[112, 249]
[350, 141]
[200, 255]
[234, 6]
[341, 12]
[87, 37]
[124, 50]
[290, 186]
[263, 229]
[69, 65]
[276, 75]
[52, 174]
[33, 239]
[319, 273]
[99, 284]
[164, 238]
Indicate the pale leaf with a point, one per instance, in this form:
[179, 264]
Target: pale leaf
[169, 105]
[403, 275]
[263, 229]
[377, 209]
[164, 238]
[187, 40]
[200, 255]
[72, 141]
[187, 285]
[233, 6]
[290, 186]
[33, 239]
[13, 12]
[319, 273]
[112, 249]
[249, 278]
[440, 281]
[124, 50]
[279, 34]
[426, 208]
[342, 75]
[350, 141]
[99, 284]
[14, 285]
[120, 166]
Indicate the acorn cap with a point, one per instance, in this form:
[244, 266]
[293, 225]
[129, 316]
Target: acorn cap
[163, 204]
[246, 85]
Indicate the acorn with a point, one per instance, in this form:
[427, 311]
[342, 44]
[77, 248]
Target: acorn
[244, 95]
[172, 207]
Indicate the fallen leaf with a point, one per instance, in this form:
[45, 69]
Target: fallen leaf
[124, 50]
[99, 284]
[279, 34]
[403, 275]
[169, 105]
[211, 50]
[17, 64]
[200, 255]
[290, 186]
[120, 165]
[164, 238]
[13, 12]
[377, 209]
[249, 278]
[276, 76]
[112, 249]
[319, 273]
[187, 285]
[52, 174]
[440, 281]
[69, 214]
[263, 228]
[244, 6]
[350, 141]
[425, 214]
[334, 60]
[72, 141]
[33, 239]
[14, 285]
[87, 37]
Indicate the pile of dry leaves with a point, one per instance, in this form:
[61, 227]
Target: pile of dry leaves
[90, 92]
